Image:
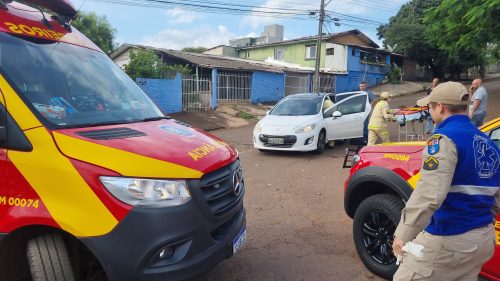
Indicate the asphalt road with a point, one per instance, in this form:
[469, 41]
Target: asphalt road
[297, 227]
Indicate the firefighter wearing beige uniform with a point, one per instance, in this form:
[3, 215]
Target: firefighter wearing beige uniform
[377, 128]
[455, 202]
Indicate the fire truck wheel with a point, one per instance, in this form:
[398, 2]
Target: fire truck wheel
[320, 147]
[374, 224]
[48, 259]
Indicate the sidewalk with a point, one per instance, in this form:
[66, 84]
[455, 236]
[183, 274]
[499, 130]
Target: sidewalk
[225, 116]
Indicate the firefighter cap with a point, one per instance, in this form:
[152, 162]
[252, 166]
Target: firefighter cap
[452, 93]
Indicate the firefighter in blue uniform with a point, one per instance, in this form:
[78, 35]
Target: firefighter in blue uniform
[453, 208]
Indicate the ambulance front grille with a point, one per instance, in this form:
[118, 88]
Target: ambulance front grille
[223, 189]
[110, 134]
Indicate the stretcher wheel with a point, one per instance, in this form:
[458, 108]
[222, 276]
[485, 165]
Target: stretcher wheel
[48, 259]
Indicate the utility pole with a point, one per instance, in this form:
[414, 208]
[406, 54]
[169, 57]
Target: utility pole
[316, 85]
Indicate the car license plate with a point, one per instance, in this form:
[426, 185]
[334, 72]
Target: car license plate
[240, 240]
[276, 141]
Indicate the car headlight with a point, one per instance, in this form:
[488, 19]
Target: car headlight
[258, 128]
[306, 129]
[147, 192]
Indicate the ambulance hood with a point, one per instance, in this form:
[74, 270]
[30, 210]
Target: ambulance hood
[160, 149]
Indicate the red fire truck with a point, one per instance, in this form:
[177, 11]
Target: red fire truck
[381, 180]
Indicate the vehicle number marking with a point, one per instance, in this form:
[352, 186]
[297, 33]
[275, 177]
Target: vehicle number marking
[276, 141]
[399, 157]
[19, 202]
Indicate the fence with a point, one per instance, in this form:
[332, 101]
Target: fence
[327, 83]
[233, 86]
[296, 84]
[196, 93]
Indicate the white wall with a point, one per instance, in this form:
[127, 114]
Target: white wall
[337, 62]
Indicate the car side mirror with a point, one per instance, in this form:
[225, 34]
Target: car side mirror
[336, 114]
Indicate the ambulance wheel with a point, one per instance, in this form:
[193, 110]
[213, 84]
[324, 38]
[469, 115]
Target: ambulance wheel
[320, 146]
[48, 259]
[374, 224]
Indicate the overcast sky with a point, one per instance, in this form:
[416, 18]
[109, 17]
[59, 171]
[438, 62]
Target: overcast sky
[188, 24]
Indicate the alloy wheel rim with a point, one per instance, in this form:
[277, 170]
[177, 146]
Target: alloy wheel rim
[378, 230]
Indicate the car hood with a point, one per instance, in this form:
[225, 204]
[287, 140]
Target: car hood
[289, 122]
[161, 149]
[396, 147]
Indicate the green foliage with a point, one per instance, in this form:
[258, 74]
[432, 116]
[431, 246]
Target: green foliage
[405, 34]
[194, 49]
[245, 115]
[458, 25]
[468, 31]
[146, 64]
[394, 75]
[96, 28]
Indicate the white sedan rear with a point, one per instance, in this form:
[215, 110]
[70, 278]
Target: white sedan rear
[306, 122]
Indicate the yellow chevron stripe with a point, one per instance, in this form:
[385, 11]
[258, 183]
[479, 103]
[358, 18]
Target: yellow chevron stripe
[68, 198]
[413, 180]
[123, 162]
[16, 107]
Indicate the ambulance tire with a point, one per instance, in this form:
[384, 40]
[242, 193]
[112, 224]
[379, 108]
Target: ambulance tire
[321, 144]
[48, 259]
[374, 224]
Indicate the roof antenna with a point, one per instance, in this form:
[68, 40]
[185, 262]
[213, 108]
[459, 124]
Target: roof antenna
[44, 20]
[77, 11]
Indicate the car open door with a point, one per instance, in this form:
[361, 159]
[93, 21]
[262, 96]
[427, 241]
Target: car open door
[354, 109]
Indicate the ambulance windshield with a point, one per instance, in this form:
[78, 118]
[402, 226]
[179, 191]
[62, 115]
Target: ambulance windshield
[72, 86]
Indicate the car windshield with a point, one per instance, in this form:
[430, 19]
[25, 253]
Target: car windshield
[72, 86]
[298, 106]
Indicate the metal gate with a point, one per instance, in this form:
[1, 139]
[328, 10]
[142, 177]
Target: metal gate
[327, 83]
[234, 86]
[196, 93]
[297, 83]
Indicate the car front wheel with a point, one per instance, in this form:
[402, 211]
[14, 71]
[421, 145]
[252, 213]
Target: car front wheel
[374, 224]
[320, 146]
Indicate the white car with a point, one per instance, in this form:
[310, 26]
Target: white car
[306, 122]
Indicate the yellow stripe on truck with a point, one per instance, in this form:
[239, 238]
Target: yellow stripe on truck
[16, 107]
[413, 180]
[66, 195]
[126, 163]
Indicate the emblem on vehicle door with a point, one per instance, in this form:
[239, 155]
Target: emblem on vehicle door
[238, 181]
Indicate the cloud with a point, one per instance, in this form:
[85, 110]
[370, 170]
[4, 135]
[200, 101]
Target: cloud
[195, 37]
[179, 15]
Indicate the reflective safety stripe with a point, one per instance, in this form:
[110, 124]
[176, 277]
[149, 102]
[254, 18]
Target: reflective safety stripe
[474, 189]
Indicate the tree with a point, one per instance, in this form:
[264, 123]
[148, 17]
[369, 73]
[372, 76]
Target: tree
[146, 64]
[194, 49]
[405, 34]
[96, 28]
[465, 28]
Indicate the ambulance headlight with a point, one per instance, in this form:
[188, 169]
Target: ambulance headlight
[148, 192]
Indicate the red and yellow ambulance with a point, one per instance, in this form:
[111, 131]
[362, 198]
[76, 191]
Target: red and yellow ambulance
[95, 182]
[381, 179]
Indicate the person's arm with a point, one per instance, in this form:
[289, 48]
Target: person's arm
[477, 101]
[474, 107]
[496, 206]
[385, 111]
[431, 190]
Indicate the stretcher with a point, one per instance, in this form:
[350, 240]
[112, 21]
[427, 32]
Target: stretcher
[411, 123]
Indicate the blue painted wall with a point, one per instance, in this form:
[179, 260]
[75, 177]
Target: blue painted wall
[165, 93]
[214, 88]
[267, 87]
[358, 72]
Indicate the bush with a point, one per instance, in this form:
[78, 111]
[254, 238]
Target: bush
[394, 75]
